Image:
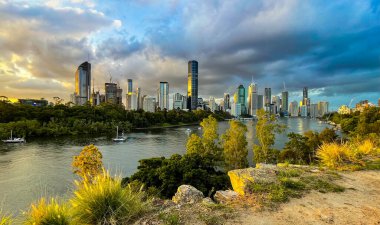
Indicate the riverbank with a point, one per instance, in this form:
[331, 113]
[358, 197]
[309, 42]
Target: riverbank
[166, 125]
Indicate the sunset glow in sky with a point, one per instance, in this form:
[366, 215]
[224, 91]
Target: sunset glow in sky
[332, 47]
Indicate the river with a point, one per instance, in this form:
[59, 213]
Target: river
[42, 167]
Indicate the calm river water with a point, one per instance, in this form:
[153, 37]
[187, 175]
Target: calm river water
[42, 167]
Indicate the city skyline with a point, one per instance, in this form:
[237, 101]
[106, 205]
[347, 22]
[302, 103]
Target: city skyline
[336, 56]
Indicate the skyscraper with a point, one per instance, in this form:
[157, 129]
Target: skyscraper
[83, 84]
[241, 98]
[179, 101]
[304, 95]
[227, 101]
[119, 96]
[267, 98]
[285, 102]
[111, 92]
[293, 109]
[128, 104]
[163, 95]
[252, 99]
[192, 85]
[139, 99]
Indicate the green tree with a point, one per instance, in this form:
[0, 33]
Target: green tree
[266, 128]
[313, 142]
[296, 150]
[328, 135]
[194, 145]
[234, 143]
[88, 163]
[210, 137]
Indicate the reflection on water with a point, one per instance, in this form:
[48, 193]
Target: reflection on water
[42, 167]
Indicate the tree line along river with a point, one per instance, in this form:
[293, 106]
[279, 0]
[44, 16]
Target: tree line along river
[42, 167]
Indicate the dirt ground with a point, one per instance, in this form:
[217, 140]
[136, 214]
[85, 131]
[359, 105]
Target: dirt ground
[358, 204]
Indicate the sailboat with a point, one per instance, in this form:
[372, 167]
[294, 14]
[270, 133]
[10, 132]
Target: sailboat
[119, 138]
[14, 140]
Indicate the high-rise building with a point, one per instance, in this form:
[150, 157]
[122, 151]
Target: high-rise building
[227, 101]
[314, 110]
[139, 99]
[276, 101]
[304, 96]
[293, 109]
[129, 95]
[83, 84]
[285, 102]
[119, 96]
[179, 101]
[260, 101]
[149, 104]
[111, 92]
[323, 108]
[95, 98]
[303, 110]
[192, 85]
[163, 95]
[241, 98]
[252, 99]
[212, 104]
[267, 98]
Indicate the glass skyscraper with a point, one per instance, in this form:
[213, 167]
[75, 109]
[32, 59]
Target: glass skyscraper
[241, 98]
[83, 84]
[163, 96]
[192, 85]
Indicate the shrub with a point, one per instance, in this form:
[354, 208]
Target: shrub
[168, 174]
[5, 219]
[352, 156]
[48, 213]
[104, 201]
[88, 163]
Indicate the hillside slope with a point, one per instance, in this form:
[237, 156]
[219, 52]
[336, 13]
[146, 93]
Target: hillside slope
[358, 204]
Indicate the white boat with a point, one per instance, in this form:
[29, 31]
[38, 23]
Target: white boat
[14, 140]
[119, 138]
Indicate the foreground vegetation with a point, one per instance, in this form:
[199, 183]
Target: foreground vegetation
[29, 121]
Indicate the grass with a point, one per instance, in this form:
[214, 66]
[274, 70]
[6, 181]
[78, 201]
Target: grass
[170, 218]
[5, 219]
[104, 201]
[293, 183]
[211, 219]
[48, 213]
[353, 155]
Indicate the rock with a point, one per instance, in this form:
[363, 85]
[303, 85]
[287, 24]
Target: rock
[241, 178]
[208, 201]
[187, 194]
[315, 171]
[267, 166]
[225, 196]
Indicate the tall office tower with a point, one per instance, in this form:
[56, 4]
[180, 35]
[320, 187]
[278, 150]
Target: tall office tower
[129, 95]
[260, 102]
[227, 101]
[241, 98]
[212, 105]
[163, 95]
[285, 102]
[179, 101]
[149, 104]
[314, 110]
[252, 99]
[304, 96]
[293, 109]
[276, 101]
[303, 111]
[139, 99]
[95, 98]
[323, 108]
[119, 96]
[267, 98]
[192, 85]
[111, 93]
[83, 84]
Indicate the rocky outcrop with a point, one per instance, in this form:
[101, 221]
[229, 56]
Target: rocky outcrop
[241, 178]
[187, 194]
[224, 197]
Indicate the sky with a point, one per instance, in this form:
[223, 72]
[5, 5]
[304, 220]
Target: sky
[331, 47]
